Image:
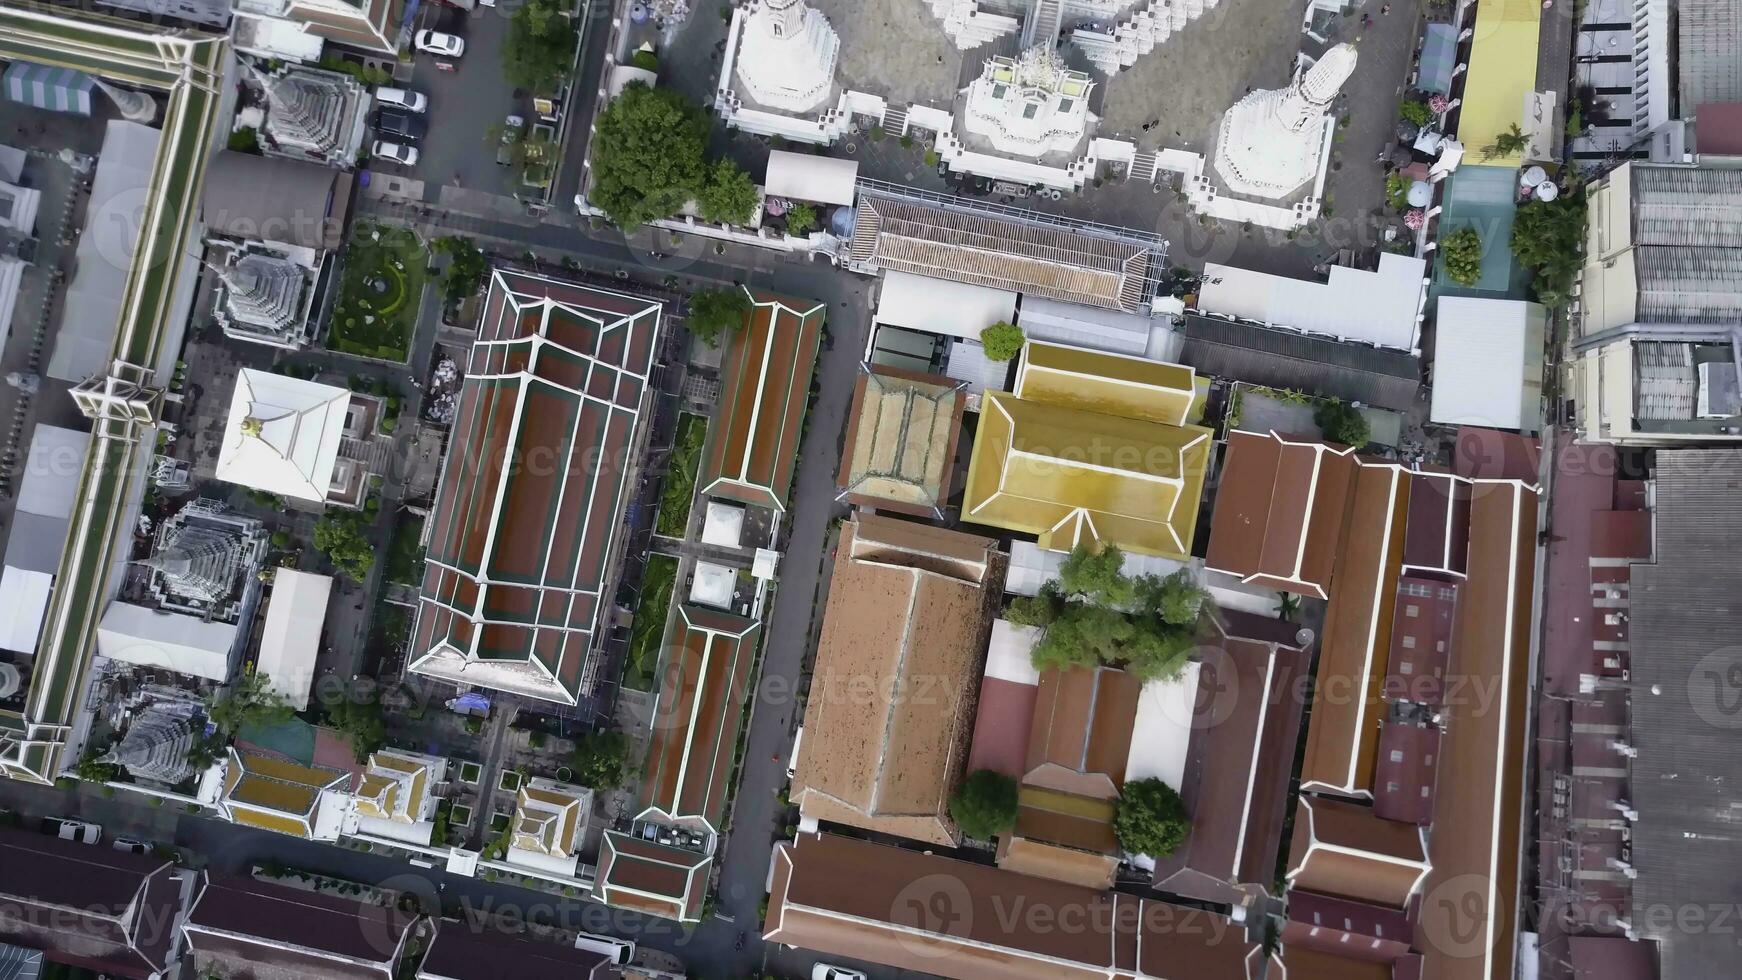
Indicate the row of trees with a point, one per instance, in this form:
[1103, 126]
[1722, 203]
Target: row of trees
[1094, 613]
[650, 159]
[1150, 818]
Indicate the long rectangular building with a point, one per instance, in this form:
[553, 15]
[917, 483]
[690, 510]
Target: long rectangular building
[528, 521]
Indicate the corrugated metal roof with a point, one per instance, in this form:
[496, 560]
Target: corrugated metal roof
[1687, 778]
[1284, 359]
[1709, 32]
[1488, 363]
[1683, 206]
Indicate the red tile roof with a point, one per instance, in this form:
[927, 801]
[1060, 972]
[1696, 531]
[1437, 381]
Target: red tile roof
[764, 388]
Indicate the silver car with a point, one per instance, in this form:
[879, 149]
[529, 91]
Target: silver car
[397, 152]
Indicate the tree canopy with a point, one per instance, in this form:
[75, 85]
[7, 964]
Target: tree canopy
[801, 219]
[1546, 236]
[540, 46]
[1002, 340]
[648, 155]
[1507, 143]
[984, 806]
[729, 197]
[1095, 613]
[360, 722]
[1151, 818]
[1342, 423]
[340, 537]
[1463, 251]
[466, 270]
[714, 313]
[600, 760]
[249, 702]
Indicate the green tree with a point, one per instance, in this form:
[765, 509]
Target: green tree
[1463, 252]
[1415, 111]
[801, 220]
[540, 46]
[249, 702]
[1095, 613]
[647, 155]
[645, 60]
[601, 760]
[730, 195]
[984, 806]
[1098, 576]
[245, 140]
[360, 722]
[714, 313]
[1176, 598]
[1151, 818]
[91, 770]
[467, 267]
[340, 537]
[1342, 423]
[1002, 341]
[1546, 238]
[1507, 143]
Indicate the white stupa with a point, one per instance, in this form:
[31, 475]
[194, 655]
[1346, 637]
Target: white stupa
[1029, 105]
[283, 435]
[1272, 142]
[786, 56]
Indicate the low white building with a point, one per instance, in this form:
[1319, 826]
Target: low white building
[1488, 358]
[290, 641]
[148, 637]
[550, 822]
[1382, 307]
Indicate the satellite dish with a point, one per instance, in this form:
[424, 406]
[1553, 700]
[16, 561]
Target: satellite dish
[1547, 191]
[1304, 637]
[9, 680]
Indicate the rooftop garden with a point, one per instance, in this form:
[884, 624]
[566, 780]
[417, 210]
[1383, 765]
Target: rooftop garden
[649, 629]
[679, 489]
[379, 293]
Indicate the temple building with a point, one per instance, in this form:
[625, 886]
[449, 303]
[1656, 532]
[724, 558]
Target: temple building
[157, 744]
[1030, 105]
[786, 56]
[264, 298]
[205, 559]
[283, 438]
[314, 115]
[1273, 142]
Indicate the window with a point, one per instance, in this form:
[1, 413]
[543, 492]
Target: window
[1065, 105]
[998, 91]
[1428, 759]
[1424, 792]
[1409, 643]
[1396, 755]
[1029, 110]
[1406, 668]
[1412, 610]
[1440, 646]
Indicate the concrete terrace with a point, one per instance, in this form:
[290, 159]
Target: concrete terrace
[894, 48]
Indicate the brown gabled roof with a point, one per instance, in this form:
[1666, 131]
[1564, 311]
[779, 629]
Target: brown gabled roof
[1280, 510]
[1346, 927]
[1403, 786]
[87, 906]
[1475, 842]
[764, 388]
[527, 515]
[891, 702]
[902, 432]
[258, 928]
[1083, 718]
[650, 877]
[1302, 963]
[1439, 523]
[1347, 701]
[1344, 849]
[458, 951]
[701, 704]
[937, 915]
[1237, 782]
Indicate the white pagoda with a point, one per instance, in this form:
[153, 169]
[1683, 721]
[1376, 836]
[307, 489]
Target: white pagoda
[264, 299]
[157, 744]
[786, 56]
[1029, 105]
[1274, 141]
[283, 436]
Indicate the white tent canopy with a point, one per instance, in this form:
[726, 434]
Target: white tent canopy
[23, 599]
[724, 524]
[283, 435]
[1162, 731]
[1382, 308]
[1488, 363]
[152, 638]
[952, 309]
[290, 640]
[803, 177]
[714, 585]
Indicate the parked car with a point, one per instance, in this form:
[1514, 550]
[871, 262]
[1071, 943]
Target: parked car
[621, 951]
[792, 760]
[66, 828]
[401, 126]
[396, 152]
[402, 98]
[512, 127]
[823, 971]
[130, 846]
[446, 45]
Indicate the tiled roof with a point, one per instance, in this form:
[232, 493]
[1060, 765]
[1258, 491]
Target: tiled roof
[534, 489]
[901, 440]
[765, 387]
[263, 928]
[701, 703]
[460, 952]
[671, 882]
[94, 907]
[1708, 33]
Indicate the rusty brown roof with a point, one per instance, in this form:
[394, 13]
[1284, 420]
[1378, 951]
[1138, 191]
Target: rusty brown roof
[705, 679]
[1279, 512]
[93, 907]
[937, 915]
[902, 431]
[890, 707]
[651, 877]
[533, 489]
[764, 387]
[1343, 849]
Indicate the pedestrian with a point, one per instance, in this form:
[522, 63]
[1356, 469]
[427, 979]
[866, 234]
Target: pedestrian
[1385, 10]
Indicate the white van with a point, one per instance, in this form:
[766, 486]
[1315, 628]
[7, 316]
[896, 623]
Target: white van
[403, 98]
[792, 760]
[621, 951]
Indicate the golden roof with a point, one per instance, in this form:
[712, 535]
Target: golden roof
[1108, 384]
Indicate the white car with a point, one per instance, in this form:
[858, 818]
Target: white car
[823, 971]
[397, 152]
[402, 98]
[435, 42]
[621, 951]
[68, 829]
[130, 846]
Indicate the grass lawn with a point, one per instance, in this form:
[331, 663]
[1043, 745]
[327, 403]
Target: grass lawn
[649, 628]
[679, 488]
[404, 555]
[379, 293]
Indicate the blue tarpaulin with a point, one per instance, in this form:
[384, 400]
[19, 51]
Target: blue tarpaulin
[1439, 55]
[54, 89]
